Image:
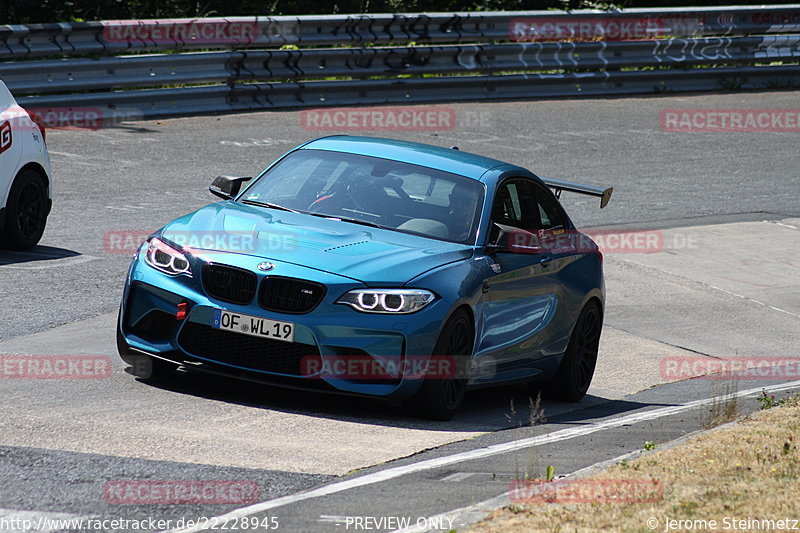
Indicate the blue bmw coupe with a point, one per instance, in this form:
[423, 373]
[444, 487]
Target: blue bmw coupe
[373, 267]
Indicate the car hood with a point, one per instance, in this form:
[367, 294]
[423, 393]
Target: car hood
[369, 255]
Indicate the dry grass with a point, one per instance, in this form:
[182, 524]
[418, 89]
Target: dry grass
[725, 407]
[748, 470]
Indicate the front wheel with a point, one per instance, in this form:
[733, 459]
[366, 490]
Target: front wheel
[441, 395]
[26, 211]
[577, 368]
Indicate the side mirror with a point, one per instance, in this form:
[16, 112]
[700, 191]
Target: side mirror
[513, 240]
[227, 187]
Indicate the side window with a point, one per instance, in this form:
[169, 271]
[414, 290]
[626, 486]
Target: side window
[551, 215]
[524, 204]
[515, 205]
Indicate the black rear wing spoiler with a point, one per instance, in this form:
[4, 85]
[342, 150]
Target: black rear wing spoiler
[571, 186]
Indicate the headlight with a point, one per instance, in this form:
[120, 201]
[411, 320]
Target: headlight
[399, 301]
[165, 258]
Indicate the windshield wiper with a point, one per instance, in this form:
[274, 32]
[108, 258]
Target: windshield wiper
[351, 220]
[269, 204]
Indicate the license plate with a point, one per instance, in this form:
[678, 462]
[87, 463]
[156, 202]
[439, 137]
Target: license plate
[253, 325]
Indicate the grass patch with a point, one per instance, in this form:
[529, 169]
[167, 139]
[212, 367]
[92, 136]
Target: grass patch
[725, 406]
[747, 470]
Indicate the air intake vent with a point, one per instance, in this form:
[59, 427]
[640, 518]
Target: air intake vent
[229, 284]
[246, 351]
[290, 295]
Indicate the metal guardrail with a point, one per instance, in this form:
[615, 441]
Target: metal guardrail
[447, 56]
[115, 37]
[209, 67]
[248, 97]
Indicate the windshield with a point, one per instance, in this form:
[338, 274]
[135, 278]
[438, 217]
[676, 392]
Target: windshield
[373, 191]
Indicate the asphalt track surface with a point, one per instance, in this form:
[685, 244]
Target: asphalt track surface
[724, 284]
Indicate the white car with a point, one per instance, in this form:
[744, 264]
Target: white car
[25, 178]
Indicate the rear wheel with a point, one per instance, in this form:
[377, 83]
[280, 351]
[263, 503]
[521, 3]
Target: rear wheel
[577, 368]
[26, 211]
[441, 395]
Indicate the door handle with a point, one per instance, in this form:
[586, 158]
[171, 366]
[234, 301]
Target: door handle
[485, 287]
[545, 261]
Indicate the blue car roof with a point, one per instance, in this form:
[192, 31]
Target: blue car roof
[444, 159]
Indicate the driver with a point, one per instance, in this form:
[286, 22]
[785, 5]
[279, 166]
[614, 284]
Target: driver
[461, 211]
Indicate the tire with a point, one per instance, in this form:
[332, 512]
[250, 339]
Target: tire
[577, 367]
[439, 398]
[26, 211]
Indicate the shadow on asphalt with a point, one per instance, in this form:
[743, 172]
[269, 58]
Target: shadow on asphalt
[38, 253]
[493, 409]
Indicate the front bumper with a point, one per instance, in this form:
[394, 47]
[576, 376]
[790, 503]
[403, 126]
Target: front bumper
[148, 325]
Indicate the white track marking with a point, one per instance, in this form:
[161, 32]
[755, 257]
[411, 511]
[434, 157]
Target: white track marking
[496, 449]
[335, 519]
[49, 263]
[465, 516]
[458, 476]
[468, 515]
[785, 225]
[64, 154]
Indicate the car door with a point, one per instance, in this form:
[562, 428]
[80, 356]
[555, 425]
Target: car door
[521, 298]
[10, 141]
